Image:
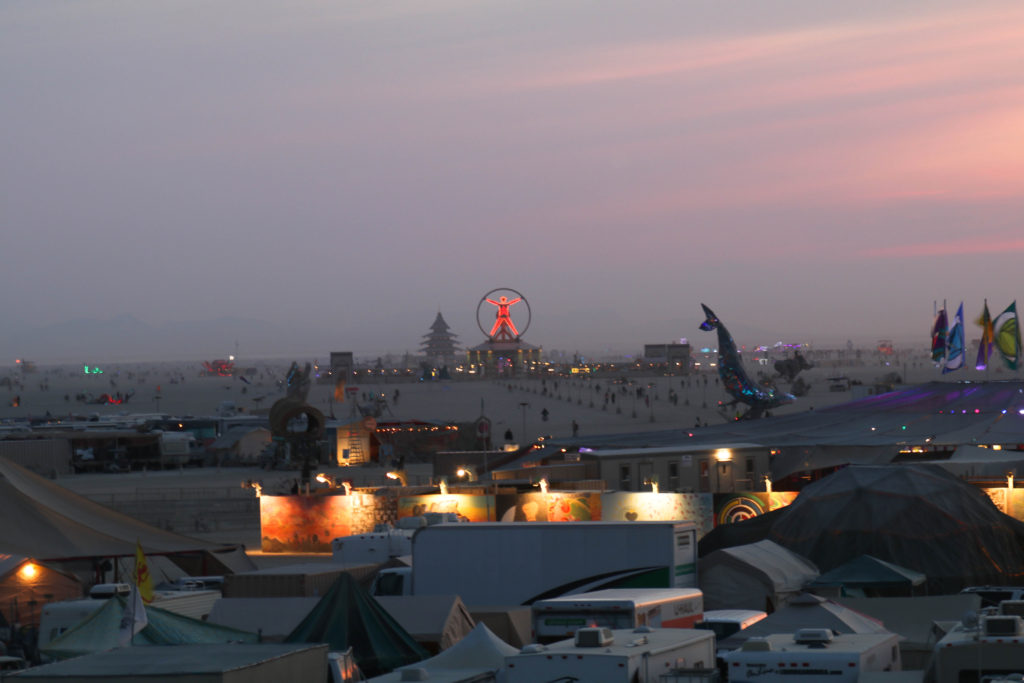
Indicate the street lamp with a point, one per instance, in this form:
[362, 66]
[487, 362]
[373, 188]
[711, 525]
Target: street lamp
[466, 472]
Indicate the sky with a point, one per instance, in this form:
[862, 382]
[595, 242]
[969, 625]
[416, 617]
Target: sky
[342, 170]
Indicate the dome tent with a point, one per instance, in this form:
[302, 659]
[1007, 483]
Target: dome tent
[917, 516]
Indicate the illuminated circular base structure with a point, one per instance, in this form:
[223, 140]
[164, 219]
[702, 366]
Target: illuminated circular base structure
[503, 358]
[504, 352]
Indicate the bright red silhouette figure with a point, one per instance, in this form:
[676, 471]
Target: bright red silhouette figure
[504, 328]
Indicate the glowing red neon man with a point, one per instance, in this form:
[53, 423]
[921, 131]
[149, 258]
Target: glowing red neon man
[503, 325]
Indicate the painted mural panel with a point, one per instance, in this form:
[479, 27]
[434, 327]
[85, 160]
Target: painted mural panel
[305, 524]
[647, 506]
[736, 507]
[1009, 501]
[554, 506]
[469, 508]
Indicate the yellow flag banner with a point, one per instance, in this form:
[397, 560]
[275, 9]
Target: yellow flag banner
[143, 580]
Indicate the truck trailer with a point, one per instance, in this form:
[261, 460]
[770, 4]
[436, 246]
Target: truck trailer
[522, 562]
[616, 608]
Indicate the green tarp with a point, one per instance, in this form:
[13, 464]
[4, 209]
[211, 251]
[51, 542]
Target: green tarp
[348, 617]
[102, 631]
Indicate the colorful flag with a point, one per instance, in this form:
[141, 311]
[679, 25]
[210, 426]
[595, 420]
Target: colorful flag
[134, 617]
[987, 339]
[143, 581]
[339, 389]
[1007, 336]
[955, 351]
[939, 333]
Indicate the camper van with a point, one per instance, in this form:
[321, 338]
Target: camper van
[616, 608]
[813, 654]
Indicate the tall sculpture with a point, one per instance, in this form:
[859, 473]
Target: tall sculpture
[735, 379]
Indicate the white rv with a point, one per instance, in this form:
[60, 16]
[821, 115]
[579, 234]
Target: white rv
[640, 655]
[982, 648]
[812, 654]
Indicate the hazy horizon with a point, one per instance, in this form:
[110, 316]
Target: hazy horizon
[337, 173]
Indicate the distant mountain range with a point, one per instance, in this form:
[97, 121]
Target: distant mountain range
[127, 338]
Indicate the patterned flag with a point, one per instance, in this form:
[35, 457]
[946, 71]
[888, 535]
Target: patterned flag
[987, 339]
[1007, 336]
[955, 354]
[143, 580]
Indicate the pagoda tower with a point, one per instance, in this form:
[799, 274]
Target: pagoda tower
[439, 345]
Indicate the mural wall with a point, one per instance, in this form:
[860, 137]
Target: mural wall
[309, 523]
[469, 508]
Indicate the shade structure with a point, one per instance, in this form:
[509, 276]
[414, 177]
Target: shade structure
[916, 516]
[45, 521]
[348, 617]
[102, 631]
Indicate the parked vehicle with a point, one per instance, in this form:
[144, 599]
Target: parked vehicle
[640, 655]
[813, 654]
[521, 563]
[616, 608]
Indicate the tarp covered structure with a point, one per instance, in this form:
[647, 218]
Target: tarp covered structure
[806, 611]
[758, 576]
[45, 521]
[436, 621]
[869, 576]
[348, 617]
[479, 652]
[102, 631]
[916, 516]
[23, 585]
[915, 618]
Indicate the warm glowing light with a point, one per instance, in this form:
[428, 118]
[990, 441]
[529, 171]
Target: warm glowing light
[28, 571]
[723, 455]
[997, 447]
[399, 476]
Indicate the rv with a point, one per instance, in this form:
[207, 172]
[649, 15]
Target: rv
[812, 654]
[616, 608]
[642, 655]
[982, 647]
[518, 564]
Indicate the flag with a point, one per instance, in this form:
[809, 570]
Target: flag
[987, 339]
[134, 617]
[339, 389]
[1007, 336]
[955, 343]
[143, 581]
[939, 334]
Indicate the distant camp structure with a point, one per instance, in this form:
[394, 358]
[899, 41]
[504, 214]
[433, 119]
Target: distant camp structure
[503, 352]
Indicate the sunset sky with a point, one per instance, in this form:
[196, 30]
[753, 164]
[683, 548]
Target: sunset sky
[812, 171]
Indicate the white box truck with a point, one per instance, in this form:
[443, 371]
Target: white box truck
[496, 563]
[616, 608]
